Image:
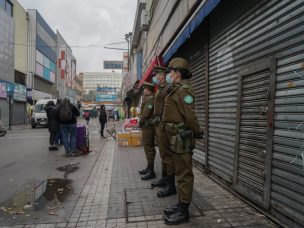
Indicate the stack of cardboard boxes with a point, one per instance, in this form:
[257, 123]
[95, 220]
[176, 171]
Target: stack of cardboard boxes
[130, 138]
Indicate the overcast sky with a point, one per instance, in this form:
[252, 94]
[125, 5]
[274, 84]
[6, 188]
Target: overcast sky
[90, 22]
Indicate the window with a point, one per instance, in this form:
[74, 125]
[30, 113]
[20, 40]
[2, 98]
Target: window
[2, 4]
[9, 7]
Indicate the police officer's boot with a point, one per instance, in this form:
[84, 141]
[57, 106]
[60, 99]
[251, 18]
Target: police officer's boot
[162, 182]
[171, 210]
[144, 171]
[150, 174]
[169, 189]
[181, 215]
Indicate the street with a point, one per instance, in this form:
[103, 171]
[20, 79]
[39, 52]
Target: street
[26, 162]
[43, 188]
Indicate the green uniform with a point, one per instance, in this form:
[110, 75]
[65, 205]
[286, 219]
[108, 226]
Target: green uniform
[179, 119]
[148, 130]
[163, 140]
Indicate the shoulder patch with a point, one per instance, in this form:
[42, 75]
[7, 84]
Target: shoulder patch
[188, 99]
[149, 106]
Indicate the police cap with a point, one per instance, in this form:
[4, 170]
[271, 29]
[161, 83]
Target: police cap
[178, 63]
[148, 86]
[159, 69]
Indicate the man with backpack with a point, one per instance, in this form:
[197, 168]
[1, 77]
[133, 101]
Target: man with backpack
[67, 114]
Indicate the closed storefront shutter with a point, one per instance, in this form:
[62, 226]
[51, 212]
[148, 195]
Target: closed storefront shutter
[197, 68]
[19, 114]
[243, 33]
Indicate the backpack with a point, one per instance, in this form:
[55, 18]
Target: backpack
[65, 113]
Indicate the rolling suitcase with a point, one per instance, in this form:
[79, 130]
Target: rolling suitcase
[82, 138]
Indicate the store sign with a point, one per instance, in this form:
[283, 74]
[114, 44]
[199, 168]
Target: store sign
[2, 90]
[105, 97]
[106, 89]
[20, 93]
[112, 65]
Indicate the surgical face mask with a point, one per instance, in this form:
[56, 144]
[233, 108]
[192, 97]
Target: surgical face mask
[155, 80]
[169, 79]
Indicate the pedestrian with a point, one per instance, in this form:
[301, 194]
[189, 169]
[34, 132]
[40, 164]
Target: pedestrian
[67, 114]
[103, 118]
[53, 123]
[148, 130]
[182, 127]
[167, 179]
[58, 138]
[87, 116]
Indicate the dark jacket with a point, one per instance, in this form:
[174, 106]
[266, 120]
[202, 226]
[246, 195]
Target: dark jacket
[75, 114]
[103, 118]
[53, 121]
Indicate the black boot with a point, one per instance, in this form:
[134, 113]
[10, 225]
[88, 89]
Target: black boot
[162, 182]
[169, 189]
[150, 174]
[181, 215]
[171, 210]
[144, 171]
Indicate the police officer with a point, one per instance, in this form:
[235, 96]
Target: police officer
[168, 173]
[181, 126]
[148, 130]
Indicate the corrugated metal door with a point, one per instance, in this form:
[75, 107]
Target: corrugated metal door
[243, 32]
[253, 148]
[19, 113]
[197, 68]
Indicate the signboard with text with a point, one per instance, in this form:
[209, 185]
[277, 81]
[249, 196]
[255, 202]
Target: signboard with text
[112, 65]
[105, 97]
[20, 92]
[2, 90]
[106, 89]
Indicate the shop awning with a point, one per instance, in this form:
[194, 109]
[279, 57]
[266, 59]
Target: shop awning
[157, 60]
[198, 17]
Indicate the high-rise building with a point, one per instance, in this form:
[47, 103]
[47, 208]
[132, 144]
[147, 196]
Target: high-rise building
[102, 87]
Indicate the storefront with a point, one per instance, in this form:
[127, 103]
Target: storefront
[19, 105]
[247, 60]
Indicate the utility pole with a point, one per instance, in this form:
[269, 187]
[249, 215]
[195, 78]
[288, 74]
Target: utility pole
[128, 39]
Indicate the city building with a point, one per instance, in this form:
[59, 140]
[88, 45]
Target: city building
[79, 87]
[19, 115]
[102, 87]
[247, 64]
[66, 70]
[42, 57]
[6, 58]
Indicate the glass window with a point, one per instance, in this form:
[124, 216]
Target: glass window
[2, 4]
[9, 8]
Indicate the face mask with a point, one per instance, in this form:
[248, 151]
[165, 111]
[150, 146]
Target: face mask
[155, 80]
[169, 79]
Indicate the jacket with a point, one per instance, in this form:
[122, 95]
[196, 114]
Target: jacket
[103, 118]
[75, 114]
[53, 121]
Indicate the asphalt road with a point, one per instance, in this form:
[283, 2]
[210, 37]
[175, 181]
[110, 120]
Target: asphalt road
[26, 163]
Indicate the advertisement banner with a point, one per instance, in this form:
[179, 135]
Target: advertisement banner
[2, 90]
[29, 94]
[105, 97]
[20, 93]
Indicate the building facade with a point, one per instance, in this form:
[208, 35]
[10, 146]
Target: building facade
[7, 26]
[42, 57]
[102, 87]
[79, 87]
[247, 60]
[66, 70]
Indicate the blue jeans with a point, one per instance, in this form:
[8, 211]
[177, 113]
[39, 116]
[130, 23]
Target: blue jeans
[58, 138]
[68, 132]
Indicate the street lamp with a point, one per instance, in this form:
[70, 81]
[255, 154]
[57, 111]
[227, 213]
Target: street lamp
[128, 39]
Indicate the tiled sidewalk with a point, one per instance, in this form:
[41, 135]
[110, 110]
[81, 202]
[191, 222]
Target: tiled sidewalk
[114, 196]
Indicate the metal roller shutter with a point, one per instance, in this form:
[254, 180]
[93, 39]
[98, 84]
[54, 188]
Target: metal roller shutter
[242, 34]
[19, 114]
[197, 67]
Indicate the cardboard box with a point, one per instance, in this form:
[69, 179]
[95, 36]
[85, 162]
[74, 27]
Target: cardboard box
[136, 134]
[124, 139]
[136, 141]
